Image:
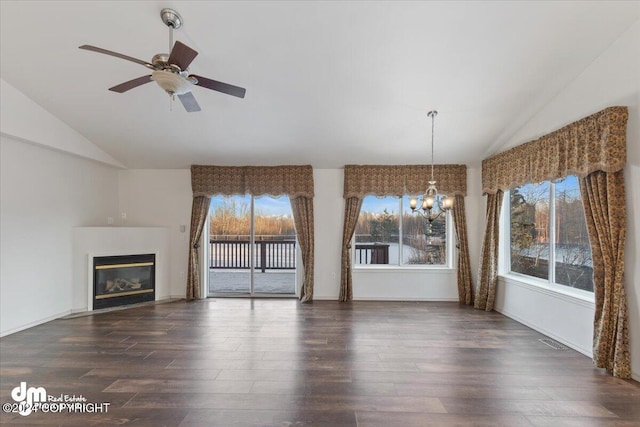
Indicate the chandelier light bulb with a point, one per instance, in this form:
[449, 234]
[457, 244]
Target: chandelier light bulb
[447, 203]
[428, 203]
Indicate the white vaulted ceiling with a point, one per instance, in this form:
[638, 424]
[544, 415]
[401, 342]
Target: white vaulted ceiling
[328, 83]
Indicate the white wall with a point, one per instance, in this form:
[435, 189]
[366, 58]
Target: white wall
[475, 207]
[612, 79]
[328, 206]
[44, 194]
[160, 198]
[51, 180]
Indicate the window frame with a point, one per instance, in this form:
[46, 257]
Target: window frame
[450, 244]
[504, 251]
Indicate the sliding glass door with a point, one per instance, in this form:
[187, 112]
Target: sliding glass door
[252, 246]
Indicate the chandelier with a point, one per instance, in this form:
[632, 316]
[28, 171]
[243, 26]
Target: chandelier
[431, 206]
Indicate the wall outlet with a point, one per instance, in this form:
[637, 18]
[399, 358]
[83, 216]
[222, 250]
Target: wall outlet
[110, 220]
[183, 228]
[123, 215]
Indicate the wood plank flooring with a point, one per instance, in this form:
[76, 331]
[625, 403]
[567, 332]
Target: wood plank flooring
[276, 362]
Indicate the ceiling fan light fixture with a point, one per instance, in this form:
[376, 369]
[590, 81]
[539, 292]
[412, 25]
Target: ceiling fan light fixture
[172, 83]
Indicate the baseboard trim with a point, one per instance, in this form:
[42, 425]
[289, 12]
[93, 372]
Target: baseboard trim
[35, 323]
[335, 298]
[405, 299]
[574, 346]
[84, 313]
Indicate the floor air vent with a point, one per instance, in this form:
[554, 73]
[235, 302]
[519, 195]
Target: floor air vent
[552, 343]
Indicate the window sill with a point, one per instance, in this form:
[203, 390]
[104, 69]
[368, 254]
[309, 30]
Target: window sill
[403, 269]
[558, 291]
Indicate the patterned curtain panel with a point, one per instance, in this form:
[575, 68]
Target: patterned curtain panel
[465, 285]
[302, 208]
[351, 212]
[199, 213]
[384, 180]
[597, 142]
[603, 196]
[488, 276]
[294, 181]
[452, 179]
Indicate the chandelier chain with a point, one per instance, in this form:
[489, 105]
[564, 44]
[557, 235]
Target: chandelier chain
[433, 116]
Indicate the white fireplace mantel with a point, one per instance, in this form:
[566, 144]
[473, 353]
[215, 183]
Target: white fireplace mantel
[89, 242]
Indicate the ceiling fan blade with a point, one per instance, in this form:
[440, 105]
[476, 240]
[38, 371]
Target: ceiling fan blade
[189, 102]
[123, 87]
[181, 55]
[220, 87]
[117, 55]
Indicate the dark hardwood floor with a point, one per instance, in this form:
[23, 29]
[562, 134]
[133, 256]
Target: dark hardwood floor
[270, 362]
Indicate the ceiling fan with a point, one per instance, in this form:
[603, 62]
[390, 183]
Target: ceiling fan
[171, 72]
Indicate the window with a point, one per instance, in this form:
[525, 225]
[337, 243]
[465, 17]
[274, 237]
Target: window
[383, 236]
[546, 222]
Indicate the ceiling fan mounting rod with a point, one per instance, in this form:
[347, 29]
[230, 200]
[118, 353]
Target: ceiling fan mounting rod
[173, 20]
[170, 38]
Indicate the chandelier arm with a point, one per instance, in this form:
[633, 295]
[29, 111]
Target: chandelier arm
[421, 213]
[428, 214]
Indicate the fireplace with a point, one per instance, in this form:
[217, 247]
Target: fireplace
[123, 279]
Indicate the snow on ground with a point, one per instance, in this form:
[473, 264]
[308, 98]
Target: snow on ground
[238, 281]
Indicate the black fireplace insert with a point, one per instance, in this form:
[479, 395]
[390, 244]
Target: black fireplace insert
[123, 279]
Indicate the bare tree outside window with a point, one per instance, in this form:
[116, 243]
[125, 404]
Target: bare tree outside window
[530, 230]
[534, 241]
[574, 266]
[382, 236]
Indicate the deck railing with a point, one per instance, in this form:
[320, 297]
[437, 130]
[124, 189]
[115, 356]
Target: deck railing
[268, 254]
[372, 253]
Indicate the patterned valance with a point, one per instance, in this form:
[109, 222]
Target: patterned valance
[397, 180]
[597, 142]
[294, 181]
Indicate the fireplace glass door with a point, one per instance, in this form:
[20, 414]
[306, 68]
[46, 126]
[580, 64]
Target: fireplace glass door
[252, 246]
